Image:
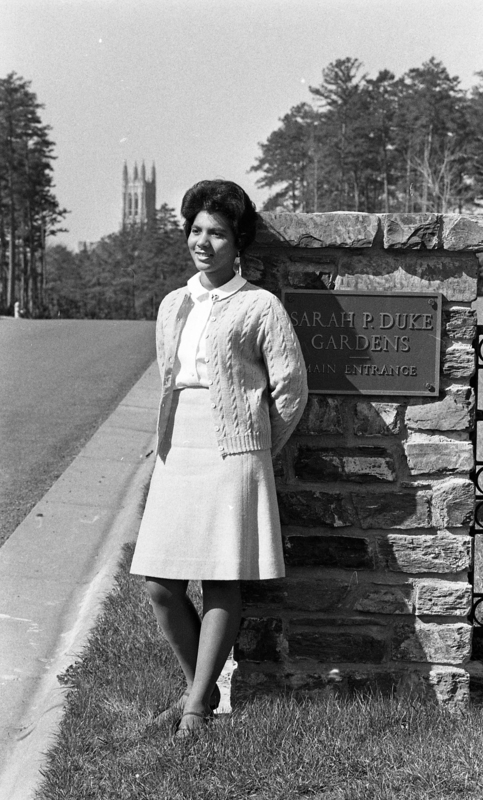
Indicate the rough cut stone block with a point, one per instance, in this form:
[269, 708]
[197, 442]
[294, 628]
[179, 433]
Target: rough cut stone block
[478, 568]
[321, 415]
[452, 413]
[458, 361]
[332, 229]
[462, 233]
[442, 553]
[376, 419]
[448, 686]
[460, 323]
[295, 593]
[453, 503]
[411, 231]
[329, 643]
[451, 687]
[358, 464]
[260, 640]
[346, 552]
[443, 598]
[432, 642]
[431, 456]
[454, 275]
[313, 276]
[466, 394]
[393, 510]
[479, 258]
[313, 509]
[479, 450]
[270, 592]
[386, 600]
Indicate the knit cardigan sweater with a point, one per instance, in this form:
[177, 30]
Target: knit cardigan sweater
[256, 372]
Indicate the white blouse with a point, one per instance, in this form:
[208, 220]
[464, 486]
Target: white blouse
[190, 363]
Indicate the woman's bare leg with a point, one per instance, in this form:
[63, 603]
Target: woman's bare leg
[219, 627]
[200, 647]
[179, 621]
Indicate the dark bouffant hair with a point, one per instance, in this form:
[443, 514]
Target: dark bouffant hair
[222, 197]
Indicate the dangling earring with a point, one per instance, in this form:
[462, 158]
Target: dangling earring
[238, 264]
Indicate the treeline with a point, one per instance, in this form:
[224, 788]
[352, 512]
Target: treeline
[408, 144]
[29, 211]
[124, 276]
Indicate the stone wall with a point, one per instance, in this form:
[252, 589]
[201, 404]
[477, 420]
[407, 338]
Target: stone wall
[375, 494]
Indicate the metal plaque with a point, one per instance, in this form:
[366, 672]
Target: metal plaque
[368, 342]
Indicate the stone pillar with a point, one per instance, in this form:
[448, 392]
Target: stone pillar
[375, 494]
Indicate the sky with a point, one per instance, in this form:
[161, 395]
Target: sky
[195, 85]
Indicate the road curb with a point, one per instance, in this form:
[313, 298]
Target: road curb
[55, 572]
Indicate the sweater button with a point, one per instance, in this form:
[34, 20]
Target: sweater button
[210, 382]
[213, 319]
[213, 405]
[220, 447]
[217, 427]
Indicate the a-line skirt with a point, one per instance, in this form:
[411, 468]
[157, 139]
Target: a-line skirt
[208, 517]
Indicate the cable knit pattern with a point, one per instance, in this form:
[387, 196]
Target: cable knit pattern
[256, 372]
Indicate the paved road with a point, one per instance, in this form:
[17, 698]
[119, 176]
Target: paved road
[59, 380]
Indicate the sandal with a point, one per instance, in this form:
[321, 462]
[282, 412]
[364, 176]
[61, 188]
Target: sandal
[179, 705]
[172, 710]
[183, 733]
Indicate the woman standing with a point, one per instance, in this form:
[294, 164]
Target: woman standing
[233, 389]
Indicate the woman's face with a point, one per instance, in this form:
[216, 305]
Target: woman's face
[212, 246]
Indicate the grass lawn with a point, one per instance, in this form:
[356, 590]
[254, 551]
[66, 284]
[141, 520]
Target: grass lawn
[320, 748]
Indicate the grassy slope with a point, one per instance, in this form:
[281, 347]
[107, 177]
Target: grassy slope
[319, 748]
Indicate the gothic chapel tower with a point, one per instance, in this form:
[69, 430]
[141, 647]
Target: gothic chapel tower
[138, 196]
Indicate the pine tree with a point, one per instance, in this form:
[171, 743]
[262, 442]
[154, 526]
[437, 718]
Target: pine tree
[289, 160]
[343, 107]
[412, 144]
[474, 112]
[380, 105]
[29, 211]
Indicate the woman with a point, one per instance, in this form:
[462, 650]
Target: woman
[233, 390]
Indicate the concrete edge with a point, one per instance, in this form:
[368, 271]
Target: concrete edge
[20, 776]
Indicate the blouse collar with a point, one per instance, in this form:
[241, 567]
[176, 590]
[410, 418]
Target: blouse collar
[198, 291]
